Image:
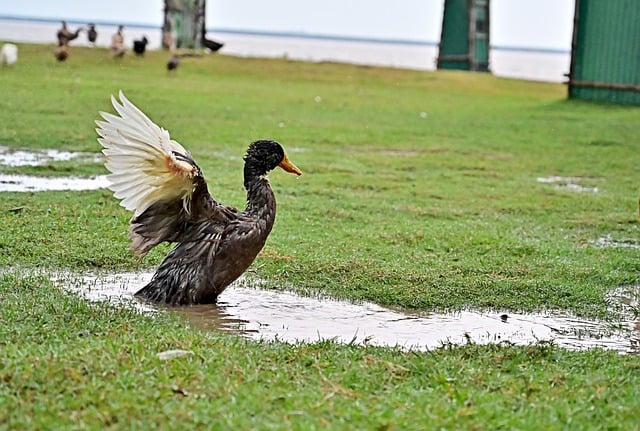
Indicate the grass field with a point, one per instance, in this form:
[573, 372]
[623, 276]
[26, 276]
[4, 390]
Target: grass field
[420, 190]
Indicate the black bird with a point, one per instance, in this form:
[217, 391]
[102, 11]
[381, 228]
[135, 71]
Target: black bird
[159, 180]
[211, 45]
[140, 46]
[173, 63]
[92, 34]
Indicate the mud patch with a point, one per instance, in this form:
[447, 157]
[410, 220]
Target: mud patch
[29, 183]
[285, 316]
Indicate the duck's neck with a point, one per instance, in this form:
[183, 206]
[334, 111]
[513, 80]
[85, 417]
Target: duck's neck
[261, 201]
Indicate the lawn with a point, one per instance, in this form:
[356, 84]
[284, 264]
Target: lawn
[422, 190]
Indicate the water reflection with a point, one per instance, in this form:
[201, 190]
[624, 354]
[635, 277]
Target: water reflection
[285, 316]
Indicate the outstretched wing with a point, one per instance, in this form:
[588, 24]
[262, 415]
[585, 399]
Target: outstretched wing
[146, 165]
[155, 177]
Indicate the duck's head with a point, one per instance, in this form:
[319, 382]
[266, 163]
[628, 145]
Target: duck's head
[264, 156]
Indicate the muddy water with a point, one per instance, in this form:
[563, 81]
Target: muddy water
[569, 183]
[608, 241]
[285, 316]
[30, 183]
[12, 157]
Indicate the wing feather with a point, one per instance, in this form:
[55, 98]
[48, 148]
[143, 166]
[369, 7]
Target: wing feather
[146, 165]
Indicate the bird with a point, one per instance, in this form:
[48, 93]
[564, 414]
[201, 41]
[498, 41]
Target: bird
[65, 36]
[211, 45]
[117, 43]
[159, 180]
[92, 34]
[140, 46]
[61, 52]
[173, 63]
[9, 54]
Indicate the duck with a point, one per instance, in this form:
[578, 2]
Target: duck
[173, 63]
[92, 33]
[157, 179]
[140, 46]
[61, 53]
[65, 36]
[8, 54]
[117, 43]
[211, 45]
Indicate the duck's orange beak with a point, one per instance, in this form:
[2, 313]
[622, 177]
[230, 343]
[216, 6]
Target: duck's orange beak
[288, 166]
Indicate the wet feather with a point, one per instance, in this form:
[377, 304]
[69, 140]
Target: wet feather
[158, 179]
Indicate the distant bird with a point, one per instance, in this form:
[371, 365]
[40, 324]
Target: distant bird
[117, 43]
[65, 36]
[9, 54]
[140, 46]
[161, 183]
[173, 63]
[61, 52]
[211, 45]
[92, 34]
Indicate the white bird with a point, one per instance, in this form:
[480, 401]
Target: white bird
[9, 54]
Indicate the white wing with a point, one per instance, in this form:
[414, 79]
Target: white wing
[146, 165]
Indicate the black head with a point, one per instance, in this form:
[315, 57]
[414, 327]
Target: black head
[264, 155]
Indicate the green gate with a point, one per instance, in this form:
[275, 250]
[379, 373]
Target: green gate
[605, 52]
[464, 42]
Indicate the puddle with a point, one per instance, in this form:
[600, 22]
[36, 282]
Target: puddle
[285, 316]
[29, 183]
[607, 241]
[11, 157]
[569, 183]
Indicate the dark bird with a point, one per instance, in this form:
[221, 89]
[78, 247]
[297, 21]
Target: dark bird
[65, 36]
[92, 34]
[211, 45]
[161, 183]
[61, 53]
[173, 63]
[140, 46]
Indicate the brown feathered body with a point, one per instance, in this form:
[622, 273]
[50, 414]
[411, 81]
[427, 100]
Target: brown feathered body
[61, 53]
[160, 181]
[216, 244]
[65, 36]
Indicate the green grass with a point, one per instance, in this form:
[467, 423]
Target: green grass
[69, 364]
[439, 210]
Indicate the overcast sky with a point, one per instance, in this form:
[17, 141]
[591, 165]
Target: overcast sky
[518, 23]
